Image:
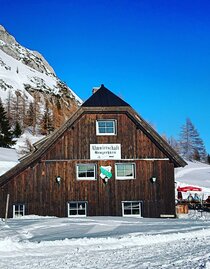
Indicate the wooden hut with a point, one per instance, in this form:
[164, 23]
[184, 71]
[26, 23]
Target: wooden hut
[104, 161]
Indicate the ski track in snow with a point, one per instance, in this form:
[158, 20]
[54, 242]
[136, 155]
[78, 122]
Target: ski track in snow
[193, 253]
[158, 243]
[185, 171]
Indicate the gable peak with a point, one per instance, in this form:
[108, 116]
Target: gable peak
[103, 97]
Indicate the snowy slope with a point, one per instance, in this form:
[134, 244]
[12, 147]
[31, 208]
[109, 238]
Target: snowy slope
[10, 80]
[16, 76]
[8, 155]
[196, 174]
[8, 159]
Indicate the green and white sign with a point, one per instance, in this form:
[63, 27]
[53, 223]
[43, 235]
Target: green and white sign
[105, 172]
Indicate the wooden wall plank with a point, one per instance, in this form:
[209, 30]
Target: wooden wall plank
[37, 188]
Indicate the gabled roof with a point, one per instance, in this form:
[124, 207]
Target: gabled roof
[104, 98]
[96, 108]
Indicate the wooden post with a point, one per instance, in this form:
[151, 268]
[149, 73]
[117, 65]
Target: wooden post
[7, 206]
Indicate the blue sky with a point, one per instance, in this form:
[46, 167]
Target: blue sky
[153, 54]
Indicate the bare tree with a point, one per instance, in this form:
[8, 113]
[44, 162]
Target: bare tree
[47, 120]
[191, 145]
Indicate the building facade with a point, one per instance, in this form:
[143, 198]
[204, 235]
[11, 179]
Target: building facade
[104, 161]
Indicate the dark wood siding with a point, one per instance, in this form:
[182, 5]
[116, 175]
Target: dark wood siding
[37, 189]
[75, 143]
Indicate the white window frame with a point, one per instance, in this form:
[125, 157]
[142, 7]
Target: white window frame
[18, 213]
[106, 120]
[86, 178]
[125, 177]
[131, 215]
[76, 208]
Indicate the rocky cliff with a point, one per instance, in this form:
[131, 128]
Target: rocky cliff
[26, 75]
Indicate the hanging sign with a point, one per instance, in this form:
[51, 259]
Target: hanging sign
[105, 151]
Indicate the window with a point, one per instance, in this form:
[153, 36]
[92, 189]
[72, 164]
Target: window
[125, 170]
[76, 209]
[86, 171]
[106, 127]
[18, 210]
[131, 208]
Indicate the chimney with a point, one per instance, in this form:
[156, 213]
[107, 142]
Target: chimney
[94, 90]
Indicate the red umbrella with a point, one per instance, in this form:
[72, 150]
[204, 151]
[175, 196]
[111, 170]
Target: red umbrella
[188, 188]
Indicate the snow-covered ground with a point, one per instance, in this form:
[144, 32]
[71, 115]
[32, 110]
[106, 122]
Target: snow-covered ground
[105, 242]
[194, 174]
[8, 159]
[111, 242]
[21, 144]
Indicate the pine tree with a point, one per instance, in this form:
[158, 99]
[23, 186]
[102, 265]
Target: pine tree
[200, 147]
[208, 159]
[17, 131]
[190, 143]
[5, 132]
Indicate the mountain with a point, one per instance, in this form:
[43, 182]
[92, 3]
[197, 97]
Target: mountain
[26, 77]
